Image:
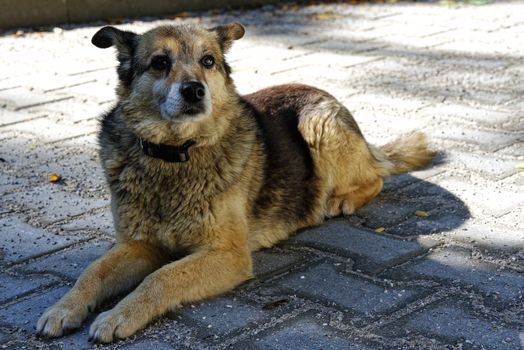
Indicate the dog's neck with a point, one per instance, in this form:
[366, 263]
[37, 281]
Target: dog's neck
[168, 153]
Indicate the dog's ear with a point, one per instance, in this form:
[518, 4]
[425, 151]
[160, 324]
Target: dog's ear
[109, 36]
[125, 43]
[229, 32]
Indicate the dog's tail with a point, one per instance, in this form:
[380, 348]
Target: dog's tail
[406, 153]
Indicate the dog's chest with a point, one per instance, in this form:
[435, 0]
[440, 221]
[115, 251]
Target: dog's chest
[169, 206]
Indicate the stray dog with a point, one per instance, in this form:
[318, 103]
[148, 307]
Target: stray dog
[198, 171]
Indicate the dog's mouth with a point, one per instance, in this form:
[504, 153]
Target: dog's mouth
[193, 110]
[184, 110]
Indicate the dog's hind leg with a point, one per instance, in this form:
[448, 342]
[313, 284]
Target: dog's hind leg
[121, 268]
[349, 172]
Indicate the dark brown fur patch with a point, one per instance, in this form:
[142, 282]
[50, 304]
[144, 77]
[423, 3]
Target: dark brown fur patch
[289, 172]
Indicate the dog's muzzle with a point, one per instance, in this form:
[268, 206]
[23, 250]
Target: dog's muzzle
[188, 98]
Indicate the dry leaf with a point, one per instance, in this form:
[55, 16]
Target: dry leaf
[116, 20]
[326, 16]
[422, 214]
[380, 229]
[184, 14]
[519, 166]
[54, 178]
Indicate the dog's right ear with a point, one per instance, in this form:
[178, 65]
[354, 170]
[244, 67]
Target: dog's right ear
[125, 43]
[109, 36]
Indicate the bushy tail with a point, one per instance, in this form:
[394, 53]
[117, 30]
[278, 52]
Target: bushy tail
[406, 153]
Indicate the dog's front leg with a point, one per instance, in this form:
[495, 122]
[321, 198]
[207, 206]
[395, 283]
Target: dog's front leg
[200, 275]
[122, 267]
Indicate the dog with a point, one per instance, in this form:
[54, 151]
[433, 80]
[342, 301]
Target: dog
[200, 176]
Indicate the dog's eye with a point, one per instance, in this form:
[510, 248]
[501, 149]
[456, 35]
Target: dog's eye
[207, 61]
[160, 62]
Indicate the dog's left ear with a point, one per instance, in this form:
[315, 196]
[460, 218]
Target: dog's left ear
[229, 32]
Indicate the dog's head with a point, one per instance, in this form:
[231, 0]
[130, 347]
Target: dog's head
[174, 80]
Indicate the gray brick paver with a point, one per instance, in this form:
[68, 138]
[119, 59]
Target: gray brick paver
[14, 286]
[20, 98]
[370, 251]
[69, 263]
[457, 265]
[54, 203]
[23, 314]
[304, 333]
[223, 315]
[456, 323]
[455, 73]
[20, 241]
[360, 296]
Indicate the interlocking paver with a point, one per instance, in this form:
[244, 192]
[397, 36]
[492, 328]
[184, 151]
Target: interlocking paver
[268, 261]
[223, 315]
[20, 98]
[21, 241]
[456, 112]
[76, 110]
[304, 333]
[489, 166]
[153, 344]
[13, 286]
[370, 251]
[491, 200]
[22, 315]
[486, 237]
[102, 222]
[439, 221]
[22, 150]
[69, 263]
[390, 212]
[489, 141]
[54, 203]
[360, 296]
[10, 183]
[455, 323]
[451, 280]
[53, 130]
[457, 265]
[9, 117]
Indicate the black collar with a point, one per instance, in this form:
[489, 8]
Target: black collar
[168, 153]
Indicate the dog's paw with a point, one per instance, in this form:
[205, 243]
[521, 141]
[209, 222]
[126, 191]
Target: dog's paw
[340, 205]
[112, 325]
[59, 320]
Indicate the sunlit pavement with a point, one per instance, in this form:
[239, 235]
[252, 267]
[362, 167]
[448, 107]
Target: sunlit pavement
[444, 270]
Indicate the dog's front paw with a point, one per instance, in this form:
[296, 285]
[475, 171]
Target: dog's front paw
[59, 320]
[114, 324]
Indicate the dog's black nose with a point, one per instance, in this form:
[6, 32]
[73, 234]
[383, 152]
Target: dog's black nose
[192, 91]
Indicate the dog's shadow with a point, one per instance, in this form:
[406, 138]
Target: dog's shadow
[407, 218]
[411, 208]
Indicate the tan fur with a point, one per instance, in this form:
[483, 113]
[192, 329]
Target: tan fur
[252, 180]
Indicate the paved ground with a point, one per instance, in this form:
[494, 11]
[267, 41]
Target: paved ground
[452, 280]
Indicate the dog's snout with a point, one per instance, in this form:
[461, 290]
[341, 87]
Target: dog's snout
[192, 91]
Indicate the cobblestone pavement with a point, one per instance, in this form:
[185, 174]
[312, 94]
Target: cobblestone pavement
[452, 280]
